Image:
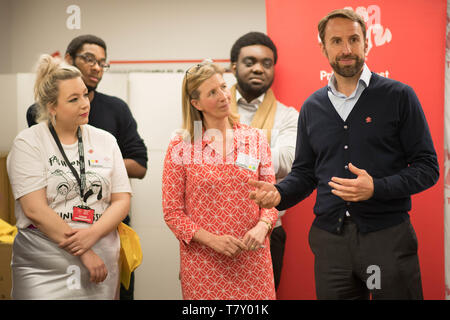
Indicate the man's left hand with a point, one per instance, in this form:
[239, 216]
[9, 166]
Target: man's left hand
[354, 190]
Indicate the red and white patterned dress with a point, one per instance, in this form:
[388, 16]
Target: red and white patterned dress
[202, 190]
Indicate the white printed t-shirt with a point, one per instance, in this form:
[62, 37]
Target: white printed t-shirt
[35, 162]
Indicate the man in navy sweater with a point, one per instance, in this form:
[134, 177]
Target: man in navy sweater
[364, 143]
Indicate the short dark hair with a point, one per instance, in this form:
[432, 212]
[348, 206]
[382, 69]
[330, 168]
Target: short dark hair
[340, 13]
[75, 45]
[250, 39]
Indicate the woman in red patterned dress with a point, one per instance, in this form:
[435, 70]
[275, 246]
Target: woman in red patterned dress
[224, 244]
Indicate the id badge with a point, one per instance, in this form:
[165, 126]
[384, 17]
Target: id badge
[83, 214]
[245, 161]
[99, 163]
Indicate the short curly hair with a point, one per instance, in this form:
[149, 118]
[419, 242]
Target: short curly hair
[77, 43]
[250, 39]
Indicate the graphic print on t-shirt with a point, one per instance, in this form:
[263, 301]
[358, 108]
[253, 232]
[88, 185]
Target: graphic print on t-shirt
[67, 189]
[64, 186]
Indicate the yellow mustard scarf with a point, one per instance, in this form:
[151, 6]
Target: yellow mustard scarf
[264, 116]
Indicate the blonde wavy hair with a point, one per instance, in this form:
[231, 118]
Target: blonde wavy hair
[193, 79]
[49, 71]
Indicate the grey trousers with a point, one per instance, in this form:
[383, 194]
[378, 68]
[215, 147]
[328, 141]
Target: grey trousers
[379, 265]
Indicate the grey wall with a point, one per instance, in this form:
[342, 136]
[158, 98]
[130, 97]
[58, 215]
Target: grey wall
[5, 36]
[132, 29]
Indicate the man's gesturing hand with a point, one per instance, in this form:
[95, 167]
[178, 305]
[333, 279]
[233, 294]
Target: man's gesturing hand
[358, 189]
[265, 195]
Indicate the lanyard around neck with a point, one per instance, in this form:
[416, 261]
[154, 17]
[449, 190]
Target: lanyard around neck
[81, 179]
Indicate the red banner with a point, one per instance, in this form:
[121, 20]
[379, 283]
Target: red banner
[406, 43]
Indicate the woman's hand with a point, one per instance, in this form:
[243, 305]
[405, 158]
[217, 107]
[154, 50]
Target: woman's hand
[95, 265]
[265, 195]
[254, 238]
[224, 244]
[78, 241]
[227, 245]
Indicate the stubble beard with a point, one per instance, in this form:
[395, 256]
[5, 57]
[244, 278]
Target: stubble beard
[249, 90]
[348, 71]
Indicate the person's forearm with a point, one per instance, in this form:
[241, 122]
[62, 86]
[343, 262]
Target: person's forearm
[282, 159]
[224, 244]
[51, 224]
[43, 217]
[112, 216]
[203, 237]
[134, 169]
[301, 180]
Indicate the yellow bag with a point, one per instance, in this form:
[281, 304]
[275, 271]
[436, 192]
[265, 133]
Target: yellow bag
[7, 232]
[130, 253]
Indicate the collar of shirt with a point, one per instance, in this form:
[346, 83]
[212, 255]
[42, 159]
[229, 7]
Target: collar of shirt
[239, 140]
[250, 106]
[343, 104]
[364, 80]
[207, 138]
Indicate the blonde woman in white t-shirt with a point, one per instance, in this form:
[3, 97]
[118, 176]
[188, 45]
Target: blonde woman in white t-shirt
[67, 246]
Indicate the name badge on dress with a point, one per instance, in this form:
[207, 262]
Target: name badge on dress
[83, 214]
[245, 161]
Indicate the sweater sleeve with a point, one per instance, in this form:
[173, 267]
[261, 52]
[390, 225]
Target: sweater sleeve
[422, 171]
[129, 140]
[283, 147]
[301, 181]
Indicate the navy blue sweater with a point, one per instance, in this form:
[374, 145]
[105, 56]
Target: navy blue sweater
[386, 134]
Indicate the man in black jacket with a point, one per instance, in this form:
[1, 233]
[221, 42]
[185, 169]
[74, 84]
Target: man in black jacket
[364, 143]
[88, 54]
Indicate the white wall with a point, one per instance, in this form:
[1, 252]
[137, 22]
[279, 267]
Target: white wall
[156, 103]
[5, 36]
[8, 103]
[133, 29]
